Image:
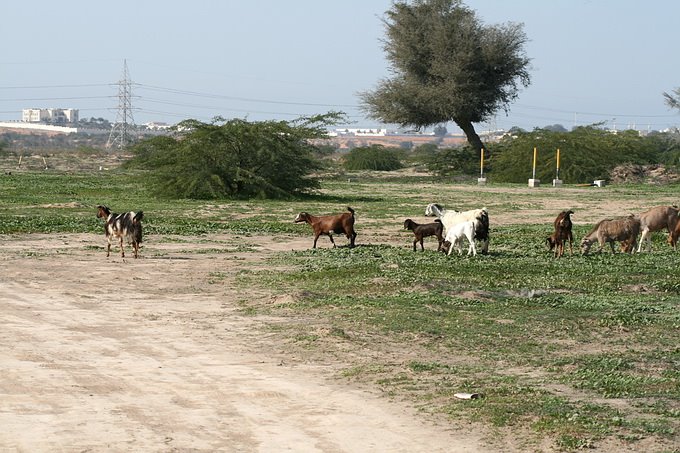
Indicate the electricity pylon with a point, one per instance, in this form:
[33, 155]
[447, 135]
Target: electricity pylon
[123, 129]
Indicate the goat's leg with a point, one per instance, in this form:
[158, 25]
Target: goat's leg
[353, 239]
[645, 239]
[108, 246]
[135, 248]
[122, 250]
[330, 236]
[422, 247]
[571, 244]
[472, 248]
[415, 241]
[316, 238]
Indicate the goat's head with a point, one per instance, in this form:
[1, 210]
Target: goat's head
[301, 217]
[586, 244]
[103, 212]
[550, 241]
[409, 224]
[433, 209]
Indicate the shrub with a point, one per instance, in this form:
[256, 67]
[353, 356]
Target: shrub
[374, 157]
[586, 154]
[236, 158]
[463, 160]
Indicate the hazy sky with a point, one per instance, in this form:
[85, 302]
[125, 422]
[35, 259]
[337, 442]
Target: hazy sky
[592, 60]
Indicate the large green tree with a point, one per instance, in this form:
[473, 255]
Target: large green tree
[447, 66]
[235, 158]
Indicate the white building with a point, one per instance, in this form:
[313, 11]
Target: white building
[54, 116]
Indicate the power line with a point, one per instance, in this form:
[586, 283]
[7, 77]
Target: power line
[237, 98]
[35, 87]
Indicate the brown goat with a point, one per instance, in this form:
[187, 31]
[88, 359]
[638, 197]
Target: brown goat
[624, 230]
[329, 224]
[674, 235]
[657, 219]
[561, 234]
[423, 230]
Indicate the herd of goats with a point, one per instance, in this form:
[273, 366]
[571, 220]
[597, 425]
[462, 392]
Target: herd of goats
[451, 228]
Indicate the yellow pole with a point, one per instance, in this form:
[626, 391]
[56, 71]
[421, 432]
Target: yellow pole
[558, 164]
[481, 165]
[534, 170]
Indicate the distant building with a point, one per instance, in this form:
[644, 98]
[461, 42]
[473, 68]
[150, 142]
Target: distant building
[52, 116]
[361, 132]
[157, 126]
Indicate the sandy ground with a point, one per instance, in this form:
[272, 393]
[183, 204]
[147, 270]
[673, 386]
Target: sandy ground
[105, 354]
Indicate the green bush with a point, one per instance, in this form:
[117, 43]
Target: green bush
[586, 154]
[236, 158]
[374, 157]
[463, 160]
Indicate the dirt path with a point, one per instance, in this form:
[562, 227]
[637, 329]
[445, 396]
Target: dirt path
[148, 355]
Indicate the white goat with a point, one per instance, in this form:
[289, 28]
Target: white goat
[456, 233]
[450, 217]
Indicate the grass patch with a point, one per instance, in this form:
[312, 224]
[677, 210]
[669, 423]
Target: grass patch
[580, 350]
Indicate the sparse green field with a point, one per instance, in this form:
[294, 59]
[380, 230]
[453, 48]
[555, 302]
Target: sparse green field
[582, 351]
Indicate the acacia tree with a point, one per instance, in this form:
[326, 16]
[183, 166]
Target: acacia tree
[447, 66]
[235, 158]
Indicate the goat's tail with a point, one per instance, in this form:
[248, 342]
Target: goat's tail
[138, 217]
[350, 210]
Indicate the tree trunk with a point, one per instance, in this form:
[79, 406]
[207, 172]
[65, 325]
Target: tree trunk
[472, 137]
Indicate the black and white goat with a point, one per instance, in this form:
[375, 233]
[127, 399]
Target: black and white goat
[127, 225]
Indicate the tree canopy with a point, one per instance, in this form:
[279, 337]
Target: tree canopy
[235, 158]
[447, 66]
[673, 99]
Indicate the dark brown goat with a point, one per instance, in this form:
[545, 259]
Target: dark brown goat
[423, 230]
[562, 234]
[329, 224]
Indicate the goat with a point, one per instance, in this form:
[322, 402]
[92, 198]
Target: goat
[624, 229]
[423, 230]
[450, 217]
[674, 235]
[561, 234]
[329, 224]
[122, 226]
[456, 233]
[656, 219]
